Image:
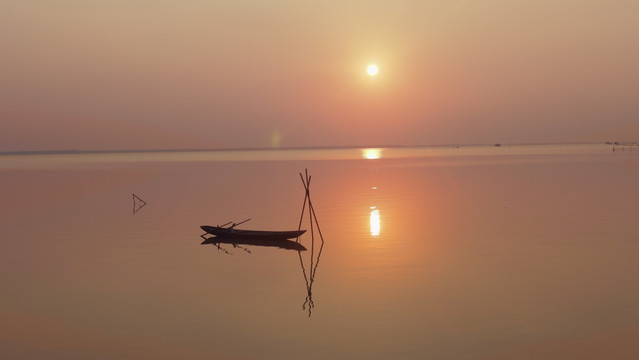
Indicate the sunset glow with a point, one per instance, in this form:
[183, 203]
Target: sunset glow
[422, 72]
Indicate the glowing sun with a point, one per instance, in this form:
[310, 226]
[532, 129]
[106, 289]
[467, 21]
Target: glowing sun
[372, 70]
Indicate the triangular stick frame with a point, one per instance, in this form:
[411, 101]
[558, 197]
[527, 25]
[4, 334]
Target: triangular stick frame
[138, 203]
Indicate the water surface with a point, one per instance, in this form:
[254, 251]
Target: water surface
[449, 253]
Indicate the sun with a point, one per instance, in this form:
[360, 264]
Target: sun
[372, 70]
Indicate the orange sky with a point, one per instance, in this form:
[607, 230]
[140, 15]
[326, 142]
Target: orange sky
[111, 74]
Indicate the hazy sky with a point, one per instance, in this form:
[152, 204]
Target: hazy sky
[122, 74]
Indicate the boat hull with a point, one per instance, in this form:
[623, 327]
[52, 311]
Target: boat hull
[229, 233]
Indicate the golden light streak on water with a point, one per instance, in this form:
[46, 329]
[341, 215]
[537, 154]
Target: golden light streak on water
[374, 220]
[371, 153]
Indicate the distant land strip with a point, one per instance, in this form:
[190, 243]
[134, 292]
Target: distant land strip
[74, 151]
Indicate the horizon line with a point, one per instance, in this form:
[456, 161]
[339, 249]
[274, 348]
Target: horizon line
[336, 147]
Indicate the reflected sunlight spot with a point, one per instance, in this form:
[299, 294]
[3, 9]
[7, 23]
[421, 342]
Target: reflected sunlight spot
[372, 153]
[375, 225]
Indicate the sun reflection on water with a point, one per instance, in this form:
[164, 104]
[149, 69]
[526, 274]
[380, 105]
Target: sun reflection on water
[371, 153]
[374, 219]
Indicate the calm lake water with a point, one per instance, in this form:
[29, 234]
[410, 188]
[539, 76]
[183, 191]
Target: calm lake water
[525, 252]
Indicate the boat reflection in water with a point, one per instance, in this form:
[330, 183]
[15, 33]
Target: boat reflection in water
[311, 261]
[238, 242]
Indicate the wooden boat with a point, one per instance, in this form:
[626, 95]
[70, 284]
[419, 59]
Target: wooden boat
[232, 233]
[280, 243]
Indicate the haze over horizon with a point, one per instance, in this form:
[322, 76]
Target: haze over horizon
[111, 75]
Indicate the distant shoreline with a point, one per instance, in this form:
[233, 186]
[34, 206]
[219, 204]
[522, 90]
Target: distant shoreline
[133, 151]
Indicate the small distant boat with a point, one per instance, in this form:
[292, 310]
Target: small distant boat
[232, 233]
